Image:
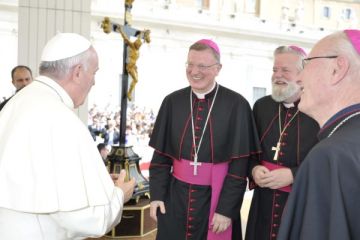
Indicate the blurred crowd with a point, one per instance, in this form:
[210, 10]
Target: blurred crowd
[104, 124]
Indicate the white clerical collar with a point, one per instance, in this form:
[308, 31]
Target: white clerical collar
[202, 95]
[64, 96]
[288, 105]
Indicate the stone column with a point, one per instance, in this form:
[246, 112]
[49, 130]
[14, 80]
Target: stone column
[39, 20]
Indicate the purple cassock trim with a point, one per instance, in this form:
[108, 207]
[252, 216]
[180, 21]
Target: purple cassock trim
[208, 174]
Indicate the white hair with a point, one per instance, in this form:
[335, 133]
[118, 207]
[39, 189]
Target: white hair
[61, 68]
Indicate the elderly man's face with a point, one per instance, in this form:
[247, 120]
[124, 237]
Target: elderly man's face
[88, 76]
[315, 80]
[21, 78]
[285, 78]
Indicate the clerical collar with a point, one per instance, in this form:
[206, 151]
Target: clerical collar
[339, 116]
[63, 95]
[288, 105]
[202, 95]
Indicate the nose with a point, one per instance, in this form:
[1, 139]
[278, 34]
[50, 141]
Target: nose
[277, 74]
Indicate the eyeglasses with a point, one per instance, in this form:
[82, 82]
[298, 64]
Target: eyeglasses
[201, 67]
[307, 60]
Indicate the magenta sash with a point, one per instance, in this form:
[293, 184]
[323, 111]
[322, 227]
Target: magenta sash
[208, 174]
[272, 166]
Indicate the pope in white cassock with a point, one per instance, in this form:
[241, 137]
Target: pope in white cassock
[53, 183]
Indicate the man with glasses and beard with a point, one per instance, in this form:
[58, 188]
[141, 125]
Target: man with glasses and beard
[286, 136]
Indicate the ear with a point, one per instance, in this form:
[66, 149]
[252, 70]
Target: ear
[219, 67]
[76, 73]
[341, 67]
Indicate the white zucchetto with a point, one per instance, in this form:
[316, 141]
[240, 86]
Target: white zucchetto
[64, 45]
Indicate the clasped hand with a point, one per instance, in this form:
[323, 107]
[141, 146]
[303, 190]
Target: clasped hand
[274, 179]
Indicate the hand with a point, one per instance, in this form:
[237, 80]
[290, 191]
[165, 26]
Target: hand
[114, 176]
[154, 205]
[259, 172]
[220, 223]
[126, 187]
[278, 178]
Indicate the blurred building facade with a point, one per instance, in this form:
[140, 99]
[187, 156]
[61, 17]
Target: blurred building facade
[247, 32]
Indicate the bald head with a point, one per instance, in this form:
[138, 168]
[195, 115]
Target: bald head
[331, 77]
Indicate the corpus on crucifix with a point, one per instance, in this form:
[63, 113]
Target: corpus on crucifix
[132, 47]
[133, 55]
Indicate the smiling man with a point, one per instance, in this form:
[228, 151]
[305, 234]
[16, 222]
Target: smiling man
[324, 203]
[286, 135]
[203, 137]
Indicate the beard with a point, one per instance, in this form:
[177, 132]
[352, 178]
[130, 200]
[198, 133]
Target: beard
[281, 93]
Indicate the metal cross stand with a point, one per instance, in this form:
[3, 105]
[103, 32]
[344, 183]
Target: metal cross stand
[122, 156]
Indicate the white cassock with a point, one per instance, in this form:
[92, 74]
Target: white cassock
[53, 183]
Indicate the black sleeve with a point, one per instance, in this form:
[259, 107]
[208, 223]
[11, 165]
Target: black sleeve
[234, 186]
[160, 172]
[233, 189]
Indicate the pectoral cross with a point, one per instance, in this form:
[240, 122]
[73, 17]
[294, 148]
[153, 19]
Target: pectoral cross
[277, 150]
[195, 163]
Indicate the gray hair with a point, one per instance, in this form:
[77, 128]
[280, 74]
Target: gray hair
[293, 50]
[61, 68]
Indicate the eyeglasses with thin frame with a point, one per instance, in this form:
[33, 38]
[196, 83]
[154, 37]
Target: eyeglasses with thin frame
[201, 67]
[307, 60]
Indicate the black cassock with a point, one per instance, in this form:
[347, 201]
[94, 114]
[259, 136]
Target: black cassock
[299, 137]
[230, 136]
[324, 202]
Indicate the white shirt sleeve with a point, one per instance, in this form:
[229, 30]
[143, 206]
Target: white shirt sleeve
[92, 221]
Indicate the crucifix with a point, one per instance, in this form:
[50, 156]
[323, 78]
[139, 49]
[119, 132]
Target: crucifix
[277, 150]
[195, 163]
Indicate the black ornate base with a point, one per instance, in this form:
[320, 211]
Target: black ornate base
[123, 157]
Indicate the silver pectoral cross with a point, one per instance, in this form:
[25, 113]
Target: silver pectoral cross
[195, 163]
[277, 150]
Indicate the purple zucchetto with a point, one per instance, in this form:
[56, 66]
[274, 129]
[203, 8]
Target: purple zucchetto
[298, 49]
[211, 44]
[354, 37]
